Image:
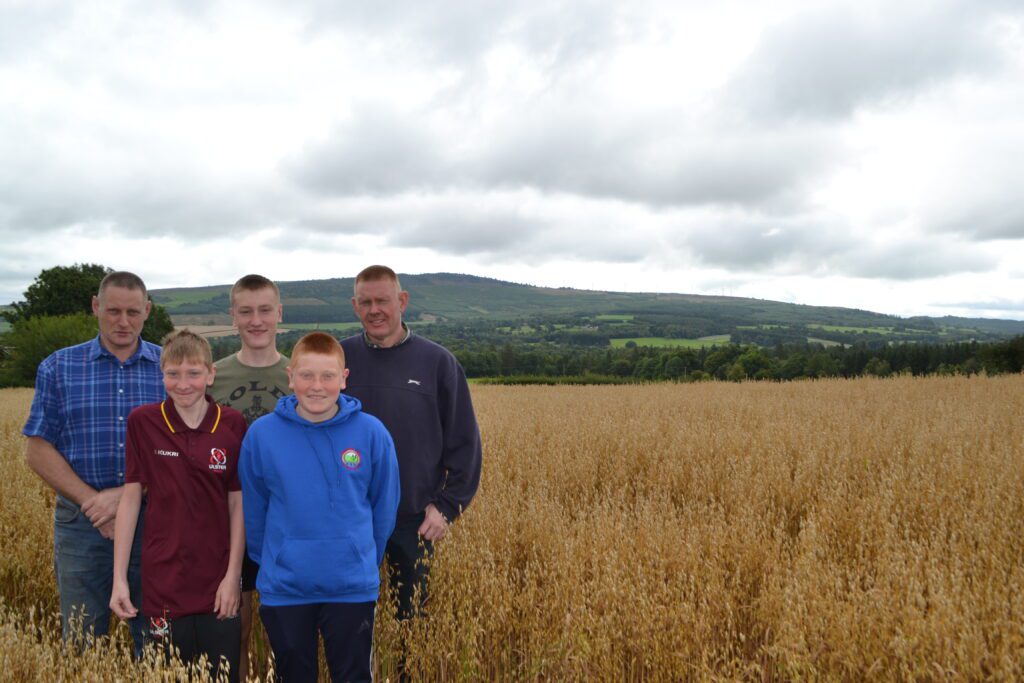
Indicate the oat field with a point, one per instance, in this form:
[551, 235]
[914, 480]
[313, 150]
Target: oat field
[826, 530]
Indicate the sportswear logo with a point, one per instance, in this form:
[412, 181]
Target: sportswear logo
[159, 628]
[414, 381]
[166, 454]
[218, 459]
[350, 459]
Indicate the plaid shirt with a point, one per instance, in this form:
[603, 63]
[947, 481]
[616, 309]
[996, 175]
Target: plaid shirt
[81, 405]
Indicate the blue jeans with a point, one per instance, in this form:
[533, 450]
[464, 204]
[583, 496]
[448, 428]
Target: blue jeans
[84, 563]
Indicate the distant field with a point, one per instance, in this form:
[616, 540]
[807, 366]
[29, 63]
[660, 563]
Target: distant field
[176, 297]
[304, 301]
[664, 342]
[823, 342]
[4, 326]
[848, 328]
[199, 319]
[340, 327]
[611, 317]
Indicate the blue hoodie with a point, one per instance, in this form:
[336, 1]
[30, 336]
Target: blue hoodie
[320, 500]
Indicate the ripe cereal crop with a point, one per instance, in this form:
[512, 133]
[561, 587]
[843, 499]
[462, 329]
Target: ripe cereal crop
[821, 530]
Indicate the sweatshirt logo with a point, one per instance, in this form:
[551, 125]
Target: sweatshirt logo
[414, 381]
[218, 459]
[159, 628]
[350, 459]
[167, 454]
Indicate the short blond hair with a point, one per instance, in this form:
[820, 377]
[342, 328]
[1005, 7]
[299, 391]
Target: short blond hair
[185, 345]
[375, 273]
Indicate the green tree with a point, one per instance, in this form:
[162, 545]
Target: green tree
[32, 340]
[61, 290]
[158, 324]
[65, 290]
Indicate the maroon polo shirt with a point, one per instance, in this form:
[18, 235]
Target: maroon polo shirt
[188, 472]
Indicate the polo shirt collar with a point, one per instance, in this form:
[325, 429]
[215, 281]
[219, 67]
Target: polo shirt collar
[174, 422]
[145, 351]
[408, 334]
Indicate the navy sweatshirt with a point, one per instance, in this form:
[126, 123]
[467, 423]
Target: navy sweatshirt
[419, 391]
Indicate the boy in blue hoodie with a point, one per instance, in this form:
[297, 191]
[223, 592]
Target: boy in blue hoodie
[320, 493]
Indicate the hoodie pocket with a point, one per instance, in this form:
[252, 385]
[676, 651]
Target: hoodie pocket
[324, 567]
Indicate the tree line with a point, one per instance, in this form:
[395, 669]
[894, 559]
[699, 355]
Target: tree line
[56, 312]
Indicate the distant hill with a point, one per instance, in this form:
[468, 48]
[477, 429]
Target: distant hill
[441, 298]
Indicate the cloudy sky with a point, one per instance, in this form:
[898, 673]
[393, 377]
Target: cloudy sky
[866, 154]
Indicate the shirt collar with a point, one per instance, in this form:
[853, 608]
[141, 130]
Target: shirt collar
[174, 422]
[372, 345]
[145, 351]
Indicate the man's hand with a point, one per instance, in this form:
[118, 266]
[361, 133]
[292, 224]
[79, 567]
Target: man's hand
[101, 509]
[121, 602]
[434, 526]
[228, 597]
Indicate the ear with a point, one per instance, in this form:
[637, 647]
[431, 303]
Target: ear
[291, 386]
[95, 305]
[280, 313]
[344, 376]
[149, 307]
[403, 300]
[213, 374]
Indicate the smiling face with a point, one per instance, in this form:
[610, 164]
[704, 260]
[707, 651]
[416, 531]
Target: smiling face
[186, 382]
[121, 313]
[317, 379]
[256, 313]
[379, 305]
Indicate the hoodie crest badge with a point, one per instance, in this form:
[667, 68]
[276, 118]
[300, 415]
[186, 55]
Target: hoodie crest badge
[351, 459]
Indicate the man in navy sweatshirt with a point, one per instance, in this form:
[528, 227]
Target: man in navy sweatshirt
[418, 390]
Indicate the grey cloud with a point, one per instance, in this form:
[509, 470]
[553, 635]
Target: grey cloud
[379, 152]
[914, 260]
[829, 63]
[376, 152]
[762, 243]
[460, 32]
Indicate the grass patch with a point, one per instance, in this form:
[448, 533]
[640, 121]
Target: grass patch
[342, 327]
[668, 342]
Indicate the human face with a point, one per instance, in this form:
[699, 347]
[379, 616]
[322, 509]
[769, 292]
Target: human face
[317, 379]
[379, 306]
[186, 382]
[121, 313]
[256, 314]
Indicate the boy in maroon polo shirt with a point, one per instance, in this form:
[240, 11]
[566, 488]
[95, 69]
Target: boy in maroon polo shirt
[182, 453]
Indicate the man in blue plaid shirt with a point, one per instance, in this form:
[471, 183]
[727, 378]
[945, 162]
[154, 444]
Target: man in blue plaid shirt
[76, 437]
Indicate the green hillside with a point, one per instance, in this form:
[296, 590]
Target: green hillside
[467, 301]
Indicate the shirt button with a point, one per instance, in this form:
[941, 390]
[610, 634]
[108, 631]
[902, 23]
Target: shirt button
[120, 391]
[120, 418]
[120, 445]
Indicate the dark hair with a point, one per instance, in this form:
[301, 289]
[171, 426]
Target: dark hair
[124, 279]
[252, 283]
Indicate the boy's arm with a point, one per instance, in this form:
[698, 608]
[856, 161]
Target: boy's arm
[226, 602]
[385, 491]
[124, 534]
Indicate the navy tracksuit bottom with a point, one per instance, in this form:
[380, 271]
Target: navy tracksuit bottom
[347, 628]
